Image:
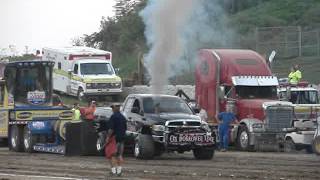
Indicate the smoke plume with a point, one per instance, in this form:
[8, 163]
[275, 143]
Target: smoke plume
[175, 30]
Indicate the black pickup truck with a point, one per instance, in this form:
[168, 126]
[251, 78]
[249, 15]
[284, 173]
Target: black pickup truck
[162, 123]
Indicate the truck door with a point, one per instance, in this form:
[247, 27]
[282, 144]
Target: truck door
[132, 111]
[74, 79]
[4, 111]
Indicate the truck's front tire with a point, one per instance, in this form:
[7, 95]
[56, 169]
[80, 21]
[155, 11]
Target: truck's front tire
[28, 140]
[100, 145]
[203, 154]
[16, 138]
[243, 139]
[289, 146]
[80, 94]
[316, 145]
[144, 147]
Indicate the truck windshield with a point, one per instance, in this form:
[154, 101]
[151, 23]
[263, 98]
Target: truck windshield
[165, 105]
[253, 92]
[29, 84]
[96, 69]
[301, 97]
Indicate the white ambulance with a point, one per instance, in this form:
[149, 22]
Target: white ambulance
[83, 71]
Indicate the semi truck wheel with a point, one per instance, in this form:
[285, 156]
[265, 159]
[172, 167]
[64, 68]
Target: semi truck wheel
[203, 154]
[243, 139]
[16, 138]
[80, 94]
[316, 145]
[28, 140]
[144, 147]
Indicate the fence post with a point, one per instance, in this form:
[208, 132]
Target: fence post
[300, 38]
[318, 39]
[257, 39]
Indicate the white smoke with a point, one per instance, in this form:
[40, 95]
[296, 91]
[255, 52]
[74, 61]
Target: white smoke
[175, 30]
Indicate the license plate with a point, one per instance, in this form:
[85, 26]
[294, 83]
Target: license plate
[190, 138]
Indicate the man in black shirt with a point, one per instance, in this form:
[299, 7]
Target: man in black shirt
[118, 127]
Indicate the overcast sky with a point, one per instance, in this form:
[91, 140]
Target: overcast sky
[38, 23]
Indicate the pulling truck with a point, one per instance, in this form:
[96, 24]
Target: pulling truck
[242, 80]
[27, 116]
[83, 72]
[307, 108]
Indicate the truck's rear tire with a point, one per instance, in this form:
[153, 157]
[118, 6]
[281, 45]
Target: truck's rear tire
[203, 154]
[243, 139]
[28, 140]
[289, 146]
[16, 138]
[144, 147]
[316, 145]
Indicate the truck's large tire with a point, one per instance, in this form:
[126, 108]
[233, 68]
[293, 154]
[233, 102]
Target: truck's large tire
[100, 144]
[28, 140]
[80, 94]
[316, 145]
[289, 146]
[16, 138]
[243, 139]
[203, 154]
[144, 147]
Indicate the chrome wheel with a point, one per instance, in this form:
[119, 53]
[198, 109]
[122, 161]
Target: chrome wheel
[244, 139]
[136, 150]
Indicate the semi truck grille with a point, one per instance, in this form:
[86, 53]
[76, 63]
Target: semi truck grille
[278, 118]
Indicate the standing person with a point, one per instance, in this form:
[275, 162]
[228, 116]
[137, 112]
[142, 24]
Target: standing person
[76, 112]
[225, 119]
[117, 130]
[295, 75]
[89, 112]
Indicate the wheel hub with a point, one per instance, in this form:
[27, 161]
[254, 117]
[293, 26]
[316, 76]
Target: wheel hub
[136, 150]
[244, 139]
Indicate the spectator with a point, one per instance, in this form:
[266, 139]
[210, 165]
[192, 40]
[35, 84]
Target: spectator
[89, 112]
[225, 119]
[117, 131]
[76, 112]
[295, 75]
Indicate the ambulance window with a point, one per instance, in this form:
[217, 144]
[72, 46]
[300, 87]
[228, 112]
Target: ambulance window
[75, 69]
[204, 68]
[59, 65]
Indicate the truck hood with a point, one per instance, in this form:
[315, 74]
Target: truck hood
[254, 108]
[101, 78]
[163, 117]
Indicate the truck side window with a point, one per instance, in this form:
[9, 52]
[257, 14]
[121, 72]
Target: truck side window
[75, 69]
[136, 104]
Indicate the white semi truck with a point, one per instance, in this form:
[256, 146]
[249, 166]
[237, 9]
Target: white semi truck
[83, 71]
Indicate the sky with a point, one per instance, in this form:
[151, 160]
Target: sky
[43, 23]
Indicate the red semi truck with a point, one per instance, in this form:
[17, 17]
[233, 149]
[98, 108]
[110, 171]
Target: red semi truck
[242, 80]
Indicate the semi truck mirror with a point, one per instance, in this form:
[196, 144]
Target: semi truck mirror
[117, 70]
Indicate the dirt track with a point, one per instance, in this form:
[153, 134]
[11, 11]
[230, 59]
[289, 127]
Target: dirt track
[228, 165]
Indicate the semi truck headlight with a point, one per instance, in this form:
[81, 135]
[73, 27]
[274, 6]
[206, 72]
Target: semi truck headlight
[158, 128]
[257, 126]
[117, 84]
